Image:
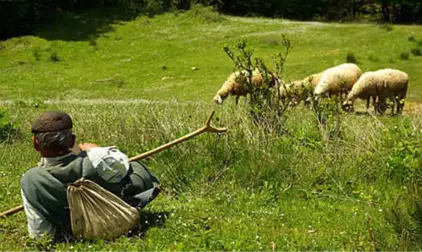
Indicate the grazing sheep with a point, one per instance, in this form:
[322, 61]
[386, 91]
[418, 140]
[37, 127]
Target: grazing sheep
[300, 90]
[381, 84]
[338, 80]
[236, 85]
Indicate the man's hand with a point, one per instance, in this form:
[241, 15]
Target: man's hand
[87, 146]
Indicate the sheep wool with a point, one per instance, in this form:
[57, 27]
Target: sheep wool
[236, 85]
[381, 84]
[338, 79]
[299, 90]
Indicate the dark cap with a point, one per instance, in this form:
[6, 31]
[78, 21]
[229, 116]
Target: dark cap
[52, 121]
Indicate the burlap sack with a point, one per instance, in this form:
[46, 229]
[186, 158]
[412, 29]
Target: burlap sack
[96, 213]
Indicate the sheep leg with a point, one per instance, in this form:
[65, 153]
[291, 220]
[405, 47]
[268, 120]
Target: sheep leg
[374, 102]
[237, 100]
[400, 104]
[382, 105]
[367, 103]
[393, 100]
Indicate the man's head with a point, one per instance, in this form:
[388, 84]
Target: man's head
[53, 134]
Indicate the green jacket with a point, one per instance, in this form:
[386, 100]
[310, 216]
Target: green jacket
[45, 188]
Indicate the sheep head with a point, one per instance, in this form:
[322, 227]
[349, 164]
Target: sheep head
[348, 104]
[218, 99]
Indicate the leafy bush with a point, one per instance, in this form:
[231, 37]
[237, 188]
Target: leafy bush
[8, 130]
[412, 38]
[405, 55]
[93, 41]
[266, 107]
[416, 52]
[206, 14]
[36, 52]
[387, 26]
[351, 58]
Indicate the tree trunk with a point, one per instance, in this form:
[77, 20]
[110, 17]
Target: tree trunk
[386, 12]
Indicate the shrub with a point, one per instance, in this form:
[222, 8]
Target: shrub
[387, 26]
[8, 130]
[266, 108]
[412, 38]
[36, 52]
[93, 41]
[416, 52]
[351, 58]
[206, 14]
[420, 43]
[405, 55]
[54, 56]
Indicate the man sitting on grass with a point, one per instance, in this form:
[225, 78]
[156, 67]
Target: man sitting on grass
[44, 188]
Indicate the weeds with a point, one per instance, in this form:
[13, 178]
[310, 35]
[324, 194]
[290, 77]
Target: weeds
[387, 26]
[36, 52]
[93, 42]
[412, 38]
[206, 14]
[9, 131]
[351, 58]
[416, 52]
[405, 55]
[266, 107]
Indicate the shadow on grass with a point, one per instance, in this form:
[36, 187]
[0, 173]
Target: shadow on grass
[80, 25]
[150, 220]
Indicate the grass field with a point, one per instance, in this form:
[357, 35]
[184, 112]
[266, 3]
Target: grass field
[129, 82]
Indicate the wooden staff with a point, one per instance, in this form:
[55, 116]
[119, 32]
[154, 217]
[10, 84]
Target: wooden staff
[206, 128]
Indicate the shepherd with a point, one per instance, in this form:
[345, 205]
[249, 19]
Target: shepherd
[91, 191]
[45, 188]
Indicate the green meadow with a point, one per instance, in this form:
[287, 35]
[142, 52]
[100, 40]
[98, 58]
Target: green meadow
[139, 82]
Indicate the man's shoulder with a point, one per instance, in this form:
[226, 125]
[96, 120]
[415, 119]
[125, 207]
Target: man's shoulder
[32, 174]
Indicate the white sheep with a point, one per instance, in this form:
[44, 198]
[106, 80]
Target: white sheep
[236, 85]
[381, 84]
[338, 80]
[299, 90]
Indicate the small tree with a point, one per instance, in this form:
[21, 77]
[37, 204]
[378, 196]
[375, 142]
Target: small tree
[266, 108]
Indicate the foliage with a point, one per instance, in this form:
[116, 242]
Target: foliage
[36, 52]
[266, 107]
[412, 38]
[416, 51]
[206, 14]
[404, 55]
[93, 42]
[351, 58]
[9, 130]
[18, 16]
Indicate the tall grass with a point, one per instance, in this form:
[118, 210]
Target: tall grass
[294, 167]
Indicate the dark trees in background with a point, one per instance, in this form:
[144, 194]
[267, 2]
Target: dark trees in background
[17, 15]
